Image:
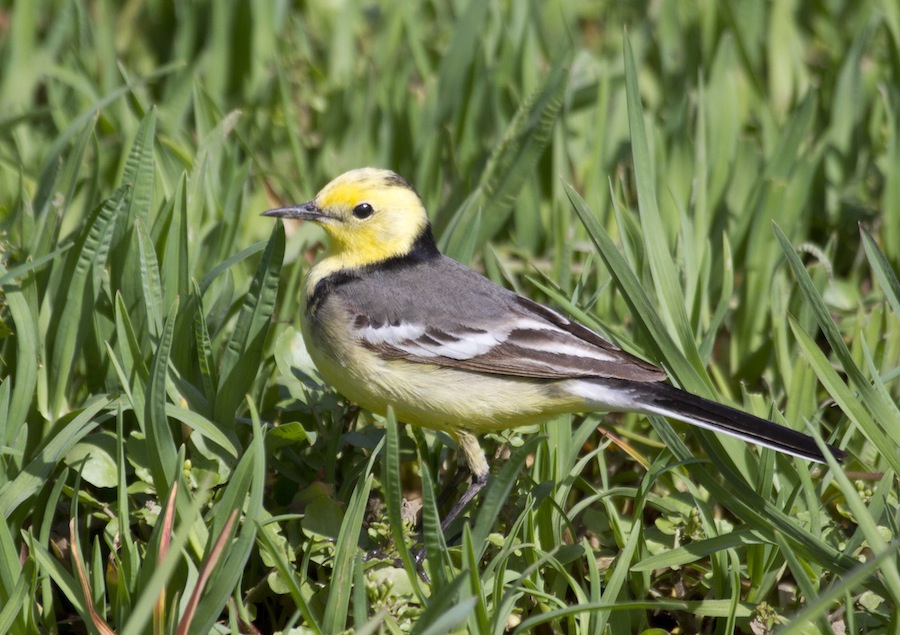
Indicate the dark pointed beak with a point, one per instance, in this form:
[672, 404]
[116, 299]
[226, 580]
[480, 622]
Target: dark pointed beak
[305, 211]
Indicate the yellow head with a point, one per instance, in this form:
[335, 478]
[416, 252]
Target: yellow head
[370, 215]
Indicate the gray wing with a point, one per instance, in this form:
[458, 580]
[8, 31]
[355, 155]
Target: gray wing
[468, 322]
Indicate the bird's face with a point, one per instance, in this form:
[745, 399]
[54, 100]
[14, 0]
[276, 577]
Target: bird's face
[368, 214]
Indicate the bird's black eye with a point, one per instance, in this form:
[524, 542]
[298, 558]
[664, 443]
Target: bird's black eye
[363, 210]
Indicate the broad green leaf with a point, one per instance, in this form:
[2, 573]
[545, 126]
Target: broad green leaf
[457, 64]
[66, 432]
[94, 458]
[223, 266]
[150, 280]
[135, 375]
[27, 353]
[51, 566]
[432, 537]
[139, 179]
[81, 284]
[9, 558]
[140, 173]
[847, 398]
[639, 303]
[162, 452]
[175, 266]
[241, 360]
[477, 618]
[55, 179]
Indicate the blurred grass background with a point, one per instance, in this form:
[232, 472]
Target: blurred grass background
[715, 185]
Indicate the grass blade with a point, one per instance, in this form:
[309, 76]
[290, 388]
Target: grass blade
[883, 271]
[336, 609]
[67, 431]
[27, 352]
[240, 363]
[511, 165]
[81, 286]
[663, 269]
[162, 453]
[394, 497]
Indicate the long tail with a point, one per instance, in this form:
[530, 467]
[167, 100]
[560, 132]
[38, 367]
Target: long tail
[663, 399]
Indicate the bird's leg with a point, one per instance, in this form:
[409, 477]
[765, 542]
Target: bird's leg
[478, 483]
[474, 462]
[458, 477]
[473, 459]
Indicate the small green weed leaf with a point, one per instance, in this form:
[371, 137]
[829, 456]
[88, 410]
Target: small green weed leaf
[94, 458]
[289, 577]
[286, 434]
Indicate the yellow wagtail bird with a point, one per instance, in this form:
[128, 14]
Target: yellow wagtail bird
[390, 321]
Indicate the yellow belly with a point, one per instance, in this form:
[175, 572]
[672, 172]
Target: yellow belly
[429, 395]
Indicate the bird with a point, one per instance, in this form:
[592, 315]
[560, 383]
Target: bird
[389, 320]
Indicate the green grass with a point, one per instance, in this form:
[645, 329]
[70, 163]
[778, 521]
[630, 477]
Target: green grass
[715, 186]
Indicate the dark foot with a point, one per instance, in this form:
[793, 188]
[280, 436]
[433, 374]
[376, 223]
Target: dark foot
[478, 484]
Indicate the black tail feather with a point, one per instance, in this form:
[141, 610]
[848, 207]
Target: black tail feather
[664, 399]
